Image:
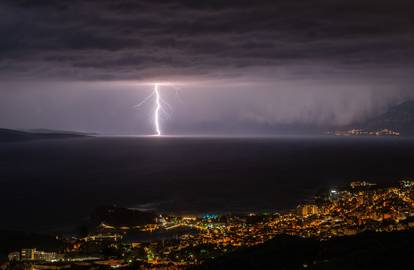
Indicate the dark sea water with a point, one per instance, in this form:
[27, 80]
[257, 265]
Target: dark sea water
[50, 184]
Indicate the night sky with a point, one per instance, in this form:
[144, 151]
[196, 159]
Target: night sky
[235, 67]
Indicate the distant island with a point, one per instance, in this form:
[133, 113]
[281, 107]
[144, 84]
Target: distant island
[11, 135]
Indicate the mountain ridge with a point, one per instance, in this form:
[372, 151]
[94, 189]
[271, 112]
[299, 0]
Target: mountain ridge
[399, 118]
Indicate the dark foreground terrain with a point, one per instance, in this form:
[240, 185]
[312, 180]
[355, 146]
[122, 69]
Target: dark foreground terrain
[365, 251]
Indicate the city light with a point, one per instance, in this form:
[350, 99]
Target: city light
[362, 206]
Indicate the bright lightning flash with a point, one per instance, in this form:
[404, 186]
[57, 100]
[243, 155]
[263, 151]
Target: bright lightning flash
[157, 110]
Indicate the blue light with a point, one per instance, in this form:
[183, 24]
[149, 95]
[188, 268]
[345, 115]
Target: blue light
[210, 216]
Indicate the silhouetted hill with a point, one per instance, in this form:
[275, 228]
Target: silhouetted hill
[399, 118]
[118, 216]
[10, 135]
[364, 251]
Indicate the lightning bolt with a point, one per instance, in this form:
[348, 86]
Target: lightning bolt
[161, 107]
[157, 110]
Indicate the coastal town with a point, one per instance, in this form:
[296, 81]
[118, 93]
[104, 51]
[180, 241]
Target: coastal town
[363, 132]
[180, 242]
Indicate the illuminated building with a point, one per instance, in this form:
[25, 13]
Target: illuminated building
[46, 256]
[31, 254]
[407, 183]
[27, 254]
[356, 184]
[308, 210]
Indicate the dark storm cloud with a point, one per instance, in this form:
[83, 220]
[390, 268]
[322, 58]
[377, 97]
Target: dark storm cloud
[245, 66]
[141, 39]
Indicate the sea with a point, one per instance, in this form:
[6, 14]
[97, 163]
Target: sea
[54, 185]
